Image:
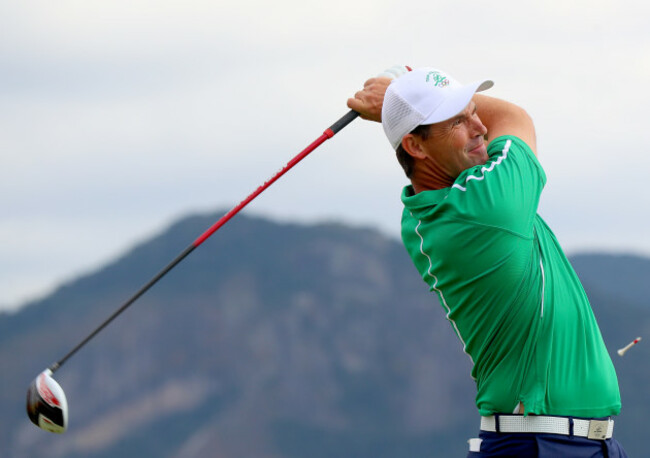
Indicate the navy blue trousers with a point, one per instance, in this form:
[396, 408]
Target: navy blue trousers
[524, 445]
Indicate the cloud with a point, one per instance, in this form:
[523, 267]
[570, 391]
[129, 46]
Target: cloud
[125, 115]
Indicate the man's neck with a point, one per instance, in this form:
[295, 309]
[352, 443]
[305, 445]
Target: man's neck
[422, 180]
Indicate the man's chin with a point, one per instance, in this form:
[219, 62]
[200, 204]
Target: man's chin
[479, 156]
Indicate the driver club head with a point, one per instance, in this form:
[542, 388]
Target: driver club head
[47, 406]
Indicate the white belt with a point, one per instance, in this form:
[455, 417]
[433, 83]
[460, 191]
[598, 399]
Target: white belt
[592, 429]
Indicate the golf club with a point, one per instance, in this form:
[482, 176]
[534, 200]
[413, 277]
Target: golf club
[47, 406]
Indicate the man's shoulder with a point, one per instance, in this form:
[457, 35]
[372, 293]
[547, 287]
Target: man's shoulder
[509, 154]
[509, 144]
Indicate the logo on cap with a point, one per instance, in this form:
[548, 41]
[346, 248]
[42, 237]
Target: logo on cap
[439, 80]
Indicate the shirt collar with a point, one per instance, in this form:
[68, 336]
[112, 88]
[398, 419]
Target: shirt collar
[422, 201]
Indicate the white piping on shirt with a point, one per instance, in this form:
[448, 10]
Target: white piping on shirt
[435, 287]
[541, 266]
[484, 170]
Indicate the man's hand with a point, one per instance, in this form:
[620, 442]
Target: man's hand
[369, 100]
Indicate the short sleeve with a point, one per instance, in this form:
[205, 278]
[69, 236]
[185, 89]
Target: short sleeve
[503, 193]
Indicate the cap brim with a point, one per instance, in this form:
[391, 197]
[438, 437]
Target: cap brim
[456, 102]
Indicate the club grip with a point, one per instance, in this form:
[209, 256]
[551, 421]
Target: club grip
[343, 121]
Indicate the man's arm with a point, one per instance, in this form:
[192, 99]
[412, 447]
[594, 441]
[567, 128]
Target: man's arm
[500, 117]
[368, 101]
[505, 118]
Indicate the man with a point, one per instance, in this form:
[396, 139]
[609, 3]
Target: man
[546, 385]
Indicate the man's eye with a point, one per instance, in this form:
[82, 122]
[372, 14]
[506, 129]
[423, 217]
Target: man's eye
[457, 122]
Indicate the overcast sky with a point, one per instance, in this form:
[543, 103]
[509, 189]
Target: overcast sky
[116, 118]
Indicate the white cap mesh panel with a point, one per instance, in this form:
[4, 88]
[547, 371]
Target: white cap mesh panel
[398, 116]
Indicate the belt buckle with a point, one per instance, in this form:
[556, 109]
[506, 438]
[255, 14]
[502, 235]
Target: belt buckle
[598, 429]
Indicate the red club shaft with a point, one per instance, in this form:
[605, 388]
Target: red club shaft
[329, 133]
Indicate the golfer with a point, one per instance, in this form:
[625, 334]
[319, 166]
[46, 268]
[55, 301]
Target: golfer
[546, 386]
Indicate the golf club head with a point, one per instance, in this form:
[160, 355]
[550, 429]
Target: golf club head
[47, 406]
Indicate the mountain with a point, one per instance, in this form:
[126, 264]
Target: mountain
[273, 340]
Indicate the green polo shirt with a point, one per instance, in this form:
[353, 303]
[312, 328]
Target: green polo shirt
[509, 291]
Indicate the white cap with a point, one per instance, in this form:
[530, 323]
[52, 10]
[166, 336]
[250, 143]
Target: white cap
[424, 96]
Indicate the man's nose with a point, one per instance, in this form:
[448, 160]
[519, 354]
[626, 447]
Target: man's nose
[479, 128]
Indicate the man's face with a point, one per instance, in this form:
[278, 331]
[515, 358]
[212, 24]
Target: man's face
[456, 144]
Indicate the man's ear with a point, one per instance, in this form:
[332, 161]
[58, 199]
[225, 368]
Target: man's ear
[413, 146]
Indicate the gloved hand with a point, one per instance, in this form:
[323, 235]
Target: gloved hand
[395, 71]
[368, 101]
